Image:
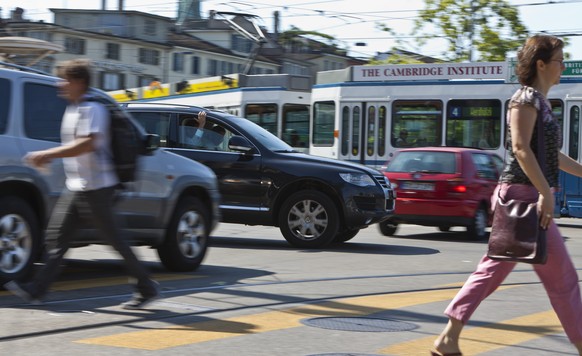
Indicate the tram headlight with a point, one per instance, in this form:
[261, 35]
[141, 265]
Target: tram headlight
[359, 179]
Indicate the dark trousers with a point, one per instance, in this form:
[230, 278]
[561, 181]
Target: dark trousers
[96, 206]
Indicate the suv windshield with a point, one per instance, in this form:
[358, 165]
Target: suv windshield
[266, 138]
[423, 161]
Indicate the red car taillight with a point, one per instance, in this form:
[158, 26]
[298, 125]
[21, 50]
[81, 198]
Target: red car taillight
[456, 187]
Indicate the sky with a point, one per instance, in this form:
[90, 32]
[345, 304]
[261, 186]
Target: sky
[353, 22]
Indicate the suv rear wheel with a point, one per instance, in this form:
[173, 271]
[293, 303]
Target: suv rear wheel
[19, 238]
[186, 239]
[309, 219]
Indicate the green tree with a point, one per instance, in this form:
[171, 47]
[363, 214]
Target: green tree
[297, 37]
[485, 30]
[396, 56]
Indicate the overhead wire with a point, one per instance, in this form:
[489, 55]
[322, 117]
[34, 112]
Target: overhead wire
[342, 19]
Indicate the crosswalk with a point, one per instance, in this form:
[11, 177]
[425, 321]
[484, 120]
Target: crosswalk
[475, 339]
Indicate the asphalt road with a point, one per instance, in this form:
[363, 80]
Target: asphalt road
[256, 295]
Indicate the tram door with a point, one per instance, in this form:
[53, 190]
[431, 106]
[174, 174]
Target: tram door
[362, 133]
[570, 196]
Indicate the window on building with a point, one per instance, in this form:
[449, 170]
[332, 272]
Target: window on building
[74, 45]
[144, 81]
[150, 28]
[178, 62]
[212, 67]
[112, 51]
[195, 65]
[149, 56]
[41, 35]
[112, 81]
[241, 44]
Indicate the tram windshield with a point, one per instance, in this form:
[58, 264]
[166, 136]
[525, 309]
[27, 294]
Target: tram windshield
[474, 123]
[416, 123]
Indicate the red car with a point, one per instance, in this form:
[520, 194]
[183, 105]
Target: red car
[443, 187]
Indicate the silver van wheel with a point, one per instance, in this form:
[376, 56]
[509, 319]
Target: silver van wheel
[19, 238]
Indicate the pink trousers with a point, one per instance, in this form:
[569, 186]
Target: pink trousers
[558, 276]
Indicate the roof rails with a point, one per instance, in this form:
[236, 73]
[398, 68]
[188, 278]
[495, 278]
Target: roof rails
[23, 68]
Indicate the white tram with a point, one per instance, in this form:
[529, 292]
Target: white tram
[364, 114]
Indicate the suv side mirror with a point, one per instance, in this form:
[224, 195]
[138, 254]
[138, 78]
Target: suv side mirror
[152, 143]
[240, 144]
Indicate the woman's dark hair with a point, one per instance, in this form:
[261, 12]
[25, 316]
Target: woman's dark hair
[537, 47]
[79, 69]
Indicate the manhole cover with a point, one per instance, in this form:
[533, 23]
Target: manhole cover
[359, 324]
[344, 354]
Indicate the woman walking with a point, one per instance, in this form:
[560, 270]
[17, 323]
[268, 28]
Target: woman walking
[539, 67]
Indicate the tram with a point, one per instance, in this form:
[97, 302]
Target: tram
[364, 114]
[277, 102]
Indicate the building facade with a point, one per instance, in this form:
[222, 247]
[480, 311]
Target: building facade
[132, 48]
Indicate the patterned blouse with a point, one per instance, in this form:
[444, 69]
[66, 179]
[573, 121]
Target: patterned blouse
[552, 139]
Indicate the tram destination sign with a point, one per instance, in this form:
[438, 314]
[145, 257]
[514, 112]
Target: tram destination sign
[441, 71]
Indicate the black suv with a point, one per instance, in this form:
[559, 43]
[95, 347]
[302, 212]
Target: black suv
[263, 181]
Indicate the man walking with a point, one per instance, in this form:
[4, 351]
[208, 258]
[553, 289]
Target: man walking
[90, 188]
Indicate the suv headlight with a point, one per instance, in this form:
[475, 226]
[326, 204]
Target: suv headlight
[359, 179]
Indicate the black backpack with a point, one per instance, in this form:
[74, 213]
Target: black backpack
[127, 141]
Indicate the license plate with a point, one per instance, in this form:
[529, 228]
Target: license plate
[417, 186]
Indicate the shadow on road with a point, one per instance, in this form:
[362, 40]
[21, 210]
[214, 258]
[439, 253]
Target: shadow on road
[346, 247]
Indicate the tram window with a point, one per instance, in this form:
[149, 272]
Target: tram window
[371, 135]
[474, 123]
[558, 112]
[296, 124]
[381, 130]
[356, 131]
[345, 131]
[323, 123]
[416, 123]
[574, 133]
[264, 115]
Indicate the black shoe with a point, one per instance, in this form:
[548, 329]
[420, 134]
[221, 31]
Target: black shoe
[19, 291]
[139, 301]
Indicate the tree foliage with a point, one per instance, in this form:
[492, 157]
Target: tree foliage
[298, 38]
[490, 29]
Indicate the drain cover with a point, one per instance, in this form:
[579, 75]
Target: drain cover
[359, 324]
[344, 354]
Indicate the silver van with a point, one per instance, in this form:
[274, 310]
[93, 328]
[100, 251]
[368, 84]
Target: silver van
[172, 207]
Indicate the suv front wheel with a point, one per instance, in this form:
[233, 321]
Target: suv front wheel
[309, 219]
[20, 237]
[186, 239]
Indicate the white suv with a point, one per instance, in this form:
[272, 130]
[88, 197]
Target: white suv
[173, 206]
